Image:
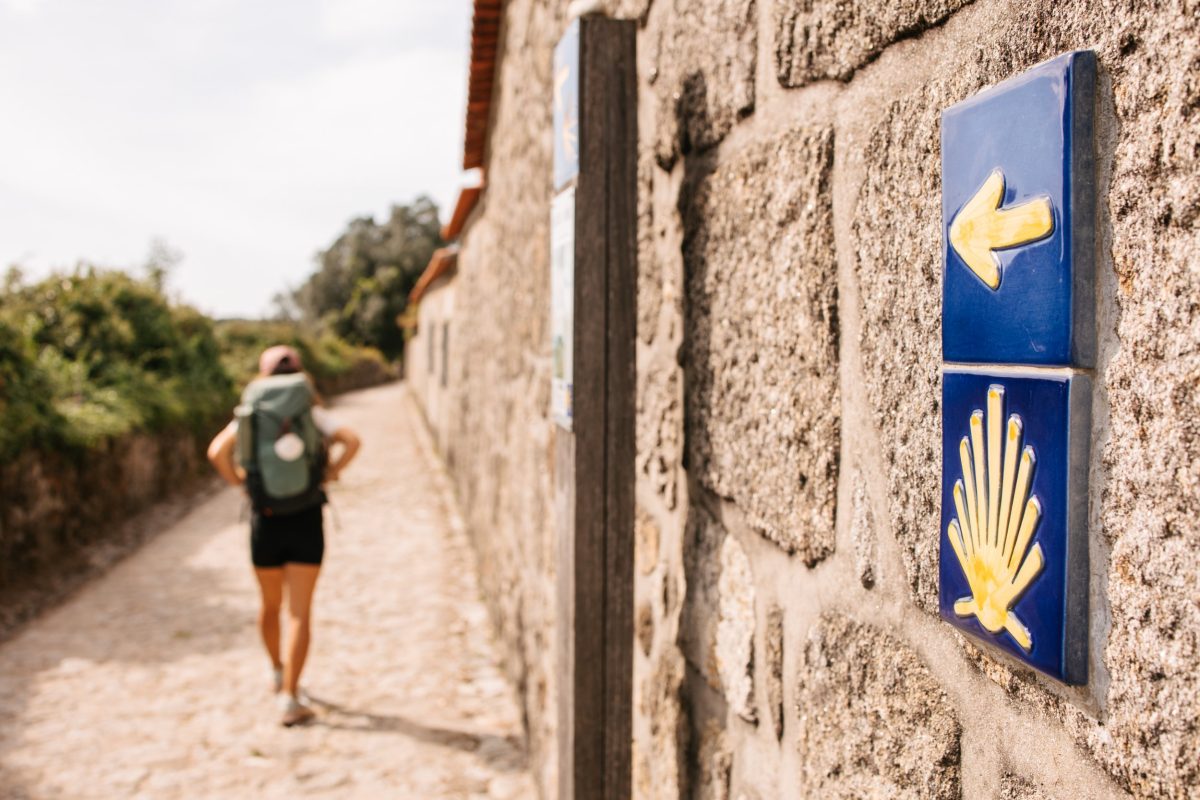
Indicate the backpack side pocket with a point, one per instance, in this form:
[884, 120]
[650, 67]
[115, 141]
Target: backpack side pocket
[244, 448]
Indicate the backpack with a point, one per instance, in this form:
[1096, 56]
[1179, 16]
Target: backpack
[279, 446]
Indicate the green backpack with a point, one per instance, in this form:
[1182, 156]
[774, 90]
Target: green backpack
[279, 446]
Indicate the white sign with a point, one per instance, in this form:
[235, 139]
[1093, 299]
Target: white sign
[562, 307]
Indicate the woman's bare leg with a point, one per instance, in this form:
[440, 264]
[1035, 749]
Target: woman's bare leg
[301, 580]
[270, 585]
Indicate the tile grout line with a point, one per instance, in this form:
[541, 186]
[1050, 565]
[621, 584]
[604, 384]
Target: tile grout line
[1016, 370]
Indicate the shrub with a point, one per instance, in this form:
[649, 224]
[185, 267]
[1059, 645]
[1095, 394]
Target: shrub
[326, 357]
[27, 412]
[94, 355]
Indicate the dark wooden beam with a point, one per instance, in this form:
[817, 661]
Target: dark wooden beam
[598, 670]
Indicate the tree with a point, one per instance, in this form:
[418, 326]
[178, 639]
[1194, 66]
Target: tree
[363, 279]
[161, 261]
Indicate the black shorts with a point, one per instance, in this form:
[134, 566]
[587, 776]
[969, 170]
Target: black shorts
[287, 539]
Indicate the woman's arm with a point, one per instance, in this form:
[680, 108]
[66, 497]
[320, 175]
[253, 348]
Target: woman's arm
[220, 455]
[350, 443]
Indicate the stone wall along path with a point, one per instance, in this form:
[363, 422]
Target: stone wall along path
[150, 682]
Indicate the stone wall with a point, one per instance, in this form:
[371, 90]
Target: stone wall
[62, 509]
[364, 373]
[427, 357]
[501, 448]
[809, 415]
[789, 402]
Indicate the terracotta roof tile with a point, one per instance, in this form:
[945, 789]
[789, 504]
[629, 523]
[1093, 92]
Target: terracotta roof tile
[468, 197]
[485, 40]
[442, 262]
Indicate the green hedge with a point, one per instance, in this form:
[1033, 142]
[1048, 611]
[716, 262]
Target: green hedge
[326, 357]
[97, 354]
[27, 411]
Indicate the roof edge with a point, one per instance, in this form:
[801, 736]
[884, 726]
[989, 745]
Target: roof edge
[443, 260]
[468, 198]
[485, 46]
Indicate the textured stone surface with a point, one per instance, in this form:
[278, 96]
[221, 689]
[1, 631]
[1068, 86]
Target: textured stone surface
[629, 9]
[660, 428]
[773, 668]
[872, 722]
[1015, 787]
[55, 504]
[862, 532]
[705, 54]
[756, 282]
[650, 278]
[761, 337]
[896, 232]
[735, 630]
[817, 39]
[715, 764]
[703, 542]
[1150, 53]
[1152, 501]
[644, 627]
[647, 536]
[660, 761]
[501, 443]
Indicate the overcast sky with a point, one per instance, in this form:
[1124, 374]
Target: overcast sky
[243, 132]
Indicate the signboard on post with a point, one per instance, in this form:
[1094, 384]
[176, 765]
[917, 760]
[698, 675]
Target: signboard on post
[593, 328]
[562, 307]
[562, 227]
[566, 107]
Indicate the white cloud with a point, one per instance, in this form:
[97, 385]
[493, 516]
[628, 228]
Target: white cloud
[375, 20]
[21, 7]
[247, 151]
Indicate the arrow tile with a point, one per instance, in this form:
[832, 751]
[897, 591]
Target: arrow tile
[1018, 199]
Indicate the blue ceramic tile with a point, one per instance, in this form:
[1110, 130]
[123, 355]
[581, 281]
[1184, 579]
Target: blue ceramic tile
[1027, 590]
[566, 107]
[1018, 198]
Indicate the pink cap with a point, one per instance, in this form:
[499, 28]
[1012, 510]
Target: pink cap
[279, 360]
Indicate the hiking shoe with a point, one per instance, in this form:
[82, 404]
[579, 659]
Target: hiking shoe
[294, 712]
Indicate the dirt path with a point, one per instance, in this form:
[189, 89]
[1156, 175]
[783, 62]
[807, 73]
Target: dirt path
[150, 682]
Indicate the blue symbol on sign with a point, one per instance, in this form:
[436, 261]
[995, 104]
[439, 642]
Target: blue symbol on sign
[1013, 565]
[566, 107]
[1018, 196]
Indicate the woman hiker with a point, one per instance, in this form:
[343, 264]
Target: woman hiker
[280, 446]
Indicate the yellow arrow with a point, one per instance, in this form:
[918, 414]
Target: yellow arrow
[982, 226]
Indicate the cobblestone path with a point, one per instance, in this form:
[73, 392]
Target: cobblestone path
[150, 682]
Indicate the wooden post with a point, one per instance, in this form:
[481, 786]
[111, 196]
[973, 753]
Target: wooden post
[595, 464]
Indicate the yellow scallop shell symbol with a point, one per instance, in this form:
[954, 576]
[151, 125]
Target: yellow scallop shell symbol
[996, 520]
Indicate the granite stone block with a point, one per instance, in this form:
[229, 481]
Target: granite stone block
[822, 39]
[761, 336]
[871, 720]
